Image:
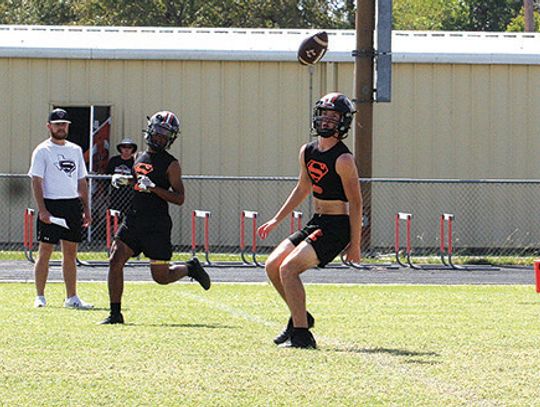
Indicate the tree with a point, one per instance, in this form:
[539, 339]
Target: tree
[443, 15]
[183, 13]
[517, 24]
[492, 15]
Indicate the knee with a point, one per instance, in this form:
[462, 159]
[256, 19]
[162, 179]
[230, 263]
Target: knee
[116, 262]
[159, 279]
[287, 271]
[272, 267]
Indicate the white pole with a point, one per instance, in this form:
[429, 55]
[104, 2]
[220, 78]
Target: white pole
[90, 168]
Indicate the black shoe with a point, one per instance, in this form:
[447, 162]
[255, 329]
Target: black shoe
[300, 338]
[113, 319]
[285, 335]
[196, 272]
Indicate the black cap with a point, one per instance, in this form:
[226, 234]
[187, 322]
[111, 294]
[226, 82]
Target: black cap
[59, 116]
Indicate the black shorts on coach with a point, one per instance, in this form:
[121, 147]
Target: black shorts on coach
[69, 209]
[149, 235]
[329, 235]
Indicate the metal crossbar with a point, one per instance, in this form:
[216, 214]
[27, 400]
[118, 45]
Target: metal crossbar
[407, 217]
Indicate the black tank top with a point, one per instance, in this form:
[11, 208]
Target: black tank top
[154, 166]
[321, 168]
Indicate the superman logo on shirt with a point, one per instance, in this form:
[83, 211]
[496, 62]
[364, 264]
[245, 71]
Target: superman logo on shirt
[143, 168]
[317, 170]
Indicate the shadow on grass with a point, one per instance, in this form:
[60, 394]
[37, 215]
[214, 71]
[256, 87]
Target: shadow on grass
[208, 326]
[394, 352]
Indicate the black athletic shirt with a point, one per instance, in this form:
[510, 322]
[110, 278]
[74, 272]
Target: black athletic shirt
[321, 168]
[154, 166]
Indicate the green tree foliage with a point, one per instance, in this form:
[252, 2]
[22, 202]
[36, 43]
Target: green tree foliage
[518, 23]
[455, 15]
[427, 15]
[55, 12]
[182, 13]
[492, 15]
[448, 15]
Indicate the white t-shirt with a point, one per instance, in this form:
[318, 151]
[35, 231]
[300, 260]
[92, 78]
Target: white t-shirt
[60, 166]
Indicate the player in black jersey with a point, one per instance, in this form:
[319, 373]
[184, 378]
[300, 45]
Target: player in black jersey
[157, 179]
[328, 170]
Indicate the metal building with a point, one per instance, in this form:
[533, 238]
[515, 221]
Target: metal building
[465, 105]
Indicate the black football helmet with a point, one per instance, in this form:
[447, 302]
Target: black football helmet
[163, 123]
[340, 103]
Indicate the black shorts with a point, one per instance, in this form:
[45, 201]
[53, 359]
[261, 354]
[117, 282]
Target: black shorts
[149, 235]
[329, 235]
[71, 211]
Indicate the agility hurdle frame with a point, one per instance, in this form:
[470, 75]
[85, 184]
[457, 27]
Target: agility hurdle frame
[407, 217]
[446, 250]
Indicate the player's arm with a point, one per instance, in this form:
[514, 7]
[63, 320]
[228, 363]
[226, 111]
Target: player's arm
[37, 189]
[346, 169]
[83, 193]
[174, 195]
[295, 198]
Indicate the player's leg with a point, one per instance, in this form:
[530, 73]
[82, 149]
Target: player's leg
[41, 271]
[157, 245]
[163, 273]
[272, 266]
[120, 254]
[69, 267]
[48, 236]
[273, 263]
[299, 260]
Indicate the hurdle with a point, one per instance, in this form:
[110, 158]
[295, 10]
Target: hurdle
[244, 214]
[28, 234]
[114, 215]
[205, 215]
[407, 217]
[446, 250]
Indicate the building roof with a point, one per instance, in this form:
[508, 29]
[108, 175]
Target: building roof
[239, 44]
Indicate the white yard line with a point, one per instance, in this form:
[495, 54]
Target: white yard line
[381, 360]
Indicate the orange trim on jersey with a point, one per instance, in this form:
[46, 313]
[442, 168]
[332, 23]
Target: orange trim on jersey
[315, 235]
[143, 168]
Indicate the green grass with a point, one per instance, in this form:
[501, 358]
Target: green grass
[379, 345]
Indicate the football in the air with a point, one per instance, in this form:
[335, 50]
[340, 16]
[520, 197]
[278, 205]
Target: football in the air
[313, 48]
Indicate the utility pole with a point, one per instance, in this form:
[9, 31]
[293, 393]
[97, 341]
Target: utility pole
[529, 15]
[363, 79]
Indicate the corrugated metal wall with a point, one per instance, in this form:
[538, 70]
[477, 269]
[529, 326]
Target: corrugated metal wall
[239, 118]
[250, 118]
[460, 121]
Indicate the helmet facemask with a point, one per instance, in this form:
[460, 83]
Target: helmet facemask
[162, 125]
[334, 102]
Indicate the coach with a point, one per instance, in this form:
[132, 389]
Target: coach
[59, 184]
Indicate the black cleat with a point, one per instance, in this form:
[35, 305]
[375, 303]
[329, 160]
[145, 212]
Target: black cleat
[300, 338]
[196, 272]
[285, 335]
[113, 319]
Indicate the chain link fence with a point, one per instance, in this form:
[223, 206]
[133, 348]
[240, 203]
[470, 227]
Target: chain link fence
[492, 217]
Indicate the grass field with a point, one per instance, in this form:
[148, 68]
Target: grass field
[379, 345]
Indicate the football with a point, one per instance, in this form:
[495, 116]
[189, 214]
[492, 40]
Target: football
[313, 48]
